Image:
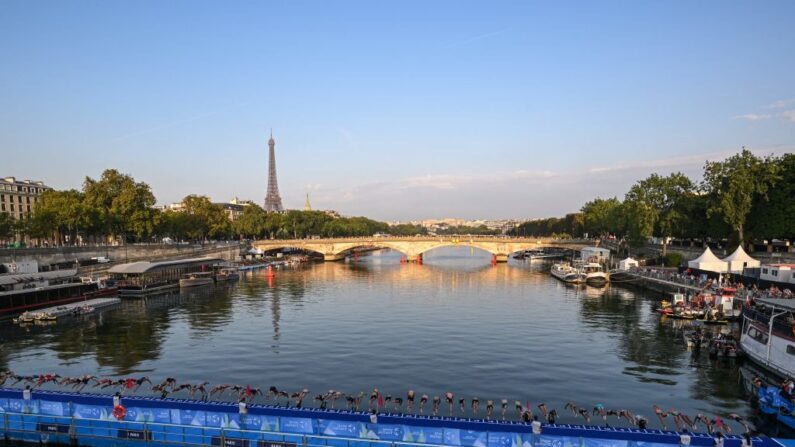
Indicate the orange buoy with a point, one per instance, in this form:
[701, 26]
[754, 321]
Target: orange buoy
[119, 412]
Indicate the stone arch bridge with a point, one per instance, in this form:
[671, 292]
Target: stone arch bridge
[414, 246]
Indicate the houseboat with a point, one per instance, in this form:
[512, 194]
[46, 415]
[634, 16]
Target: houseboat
[142, 278]
[20, 293]
[768, 335]
[567, 273]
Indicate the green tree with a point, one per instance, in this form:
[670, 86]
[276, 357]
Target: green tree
[122, 205]
[6, 226]
[205, 219]
[736, 183]
[664, 197]
[600, 216]
[251, 223]
[775, 217]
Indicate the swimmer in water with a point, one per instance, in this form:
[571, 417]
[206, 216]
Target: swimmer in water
[423, 401]
[642, 422]
[661, 415]
[572, 407]
[736, 417]
[449, 397]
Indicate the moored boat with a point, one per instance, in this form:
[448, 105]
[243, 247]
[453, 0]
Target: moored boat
[567, 273]
[768, 335]
[594, 273]
[227, 274]
[196, 279]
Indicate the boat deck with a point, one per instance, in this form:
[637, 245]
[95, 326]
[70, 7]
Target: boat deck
[71, 308]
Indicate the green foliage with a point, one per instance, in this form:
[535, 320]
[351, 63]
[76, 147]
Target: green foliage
[407, 230]
[572, 225]
[121, 205]
[673, 259]
[775, 217]
[480, 230]
[602, 217]
[6, 226]
[736, 183]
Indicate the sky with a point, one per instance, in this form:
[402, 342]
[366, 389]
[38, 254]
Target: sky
[396, 110]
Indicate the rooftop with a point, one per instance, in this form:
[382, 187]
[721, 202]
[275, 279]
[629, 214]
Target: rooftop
[146, 266]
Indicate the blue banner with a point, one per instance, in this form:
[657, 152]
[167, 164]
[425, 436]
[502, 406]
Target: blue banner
[258, 422]
[23, 406]
[346, 429]
[188, 417]
[557, 441]
[385, 432]
[423, 435]
[466, 438]
[297, 425]
[53, 408]
[589, 442]
[90, 412]
[503, 439]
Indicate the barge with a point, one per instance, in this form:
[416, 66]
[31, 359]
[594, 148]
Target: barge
[102, 421]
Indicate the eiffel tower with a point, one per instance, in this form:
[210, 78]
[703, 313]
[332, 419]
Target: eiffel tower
[273, 202]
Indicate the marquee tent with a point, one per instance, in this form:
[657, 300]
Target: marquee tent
[708, 262]
[739, 260]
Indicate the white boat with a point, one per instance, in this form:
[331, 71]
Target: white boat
[567, 273]
[227, 274]
[196, 279]
[768, 336]
[594, 273]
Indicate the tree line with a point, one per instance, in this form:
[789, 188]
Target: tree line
[742, 198]
[116, 207]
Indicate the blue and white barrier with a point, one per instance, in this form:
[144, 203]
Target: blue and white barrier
[87, 419]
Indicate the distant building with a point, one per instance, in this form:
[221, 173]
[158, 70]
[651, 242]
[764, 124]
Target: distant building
[19, 197]
[235, 208]
[307, 206]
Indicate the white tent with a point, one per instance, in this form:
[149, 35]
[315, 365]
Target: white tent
[739, 260]
[626, 264]
[708, 262]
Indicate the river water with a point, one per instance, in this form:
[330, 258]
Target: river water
[455, 323]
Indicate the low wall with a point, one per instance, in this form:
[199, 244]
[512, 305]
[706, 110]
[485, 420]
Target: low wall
[118, 254]
[86, 419]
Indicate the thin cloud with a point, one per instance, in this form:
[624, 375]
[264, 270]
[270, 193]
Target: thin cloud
[780, 104]
[789, 115]
[753, 117]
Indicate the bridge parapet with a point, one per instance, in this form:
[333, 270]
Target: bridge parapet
[414, 247]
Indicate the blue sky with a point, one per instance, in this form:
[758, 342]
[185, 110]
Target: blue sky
[395, 110]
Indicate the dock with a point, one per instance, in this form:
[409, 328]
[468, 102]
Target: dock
[74, 308]
[94, 420]
[652, 283]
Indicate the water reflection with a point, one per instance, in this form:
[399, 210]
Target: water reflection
[455, 323]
